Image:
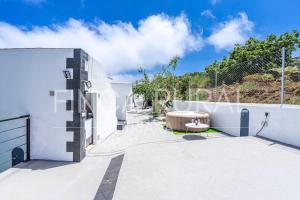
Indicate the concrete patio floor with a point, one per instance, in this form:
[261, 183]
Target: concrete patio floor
[159, 165]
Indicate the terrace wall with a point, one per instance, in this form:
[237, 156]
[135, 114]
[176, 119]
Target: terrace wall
[283, 122]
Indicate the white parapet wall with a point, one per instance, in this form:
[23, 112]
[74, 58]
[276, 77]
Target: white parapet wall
[124, 96]
[283, 121]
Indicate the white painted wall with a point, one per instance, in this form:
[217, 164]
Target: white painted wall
[26, 78]
[138, 100]
[283, 123]
[106, 99]
[123, 92]
[88, 128]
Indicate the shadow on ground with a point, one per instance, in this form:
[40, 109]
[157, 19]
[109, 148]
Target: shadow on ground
[42, 164]
[193, 137]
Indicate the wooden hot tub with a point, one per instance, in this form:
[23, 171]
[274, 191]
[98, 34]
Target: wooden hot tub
[176, 120]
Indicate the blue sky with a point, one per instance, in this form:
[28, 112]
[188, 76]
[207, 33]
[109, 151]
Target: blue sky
[205, 19]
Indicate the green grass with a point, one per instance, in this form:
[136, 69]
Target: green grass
[210, 130]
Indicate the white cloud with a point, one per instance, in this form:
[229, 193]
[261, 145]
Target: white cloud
[208, 13]
[118, 47]
[229, 33]
[125, 78]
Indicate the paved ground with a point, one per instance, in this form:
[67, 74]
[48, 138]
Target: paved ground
[159, 165]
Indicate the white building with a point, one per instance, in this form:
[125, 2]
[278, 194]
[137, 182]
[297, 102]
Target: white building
[124, 96]
[67, 94]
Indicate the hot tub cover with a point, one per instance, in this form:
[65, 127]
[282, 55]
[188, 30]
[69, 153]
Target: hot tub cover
[176, 120]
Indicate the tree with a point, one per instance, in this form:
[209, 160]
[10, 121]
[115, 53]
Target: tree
[162, 81]
[145, 87]
[253, 57]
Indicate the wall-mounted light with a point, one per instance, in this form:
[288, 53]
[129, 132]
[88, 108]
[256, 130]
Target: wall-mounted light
[88, 84]
[67, 74]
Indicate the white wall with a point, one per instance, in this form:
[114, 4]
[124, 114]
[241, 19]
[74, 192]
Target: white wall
[138, 100]
[123, 92]
[106, 99]
[26, 78]
[283, 123]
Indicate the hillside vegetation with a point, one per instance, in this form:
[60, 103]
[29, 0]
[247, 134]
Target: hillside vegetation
[250, 73]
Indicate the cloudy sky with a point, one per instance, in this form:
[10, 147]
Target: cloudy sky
[124, 35]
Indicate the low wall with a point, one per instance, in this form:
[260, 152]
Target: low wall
[283, 121]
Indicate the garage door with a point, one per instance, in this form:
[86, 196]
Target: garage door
[14, 141]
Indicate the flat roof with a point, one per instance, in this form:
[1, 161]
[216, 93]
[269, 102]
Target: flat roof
[122, 83]
[37, 48]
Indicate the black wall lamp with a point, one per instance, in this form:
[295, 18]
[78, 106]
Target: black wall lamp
[88, 84]
[67, 74]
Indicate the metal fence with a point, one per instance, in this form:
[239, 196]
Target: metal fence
[14, 141]
[270, 79]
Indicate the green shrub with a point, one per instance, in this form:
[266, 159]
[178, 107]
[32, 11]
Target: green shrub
[259, 78]
[268, 77]
[295, 100]
[295, 76]
[276, 72]
[289, 70]
[248, 86]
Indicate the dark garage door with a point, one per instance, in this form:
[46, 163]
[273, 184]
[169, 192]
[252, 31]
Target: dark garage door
[14, 141]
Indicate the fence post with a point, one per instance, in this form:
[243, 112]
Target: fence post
[216, 83]
[28, 138]
[282, 76]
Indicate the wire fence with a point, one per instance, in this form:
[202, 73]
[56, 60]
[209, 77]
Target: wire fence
[292, 82]
[253, 81]
[270, 79]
